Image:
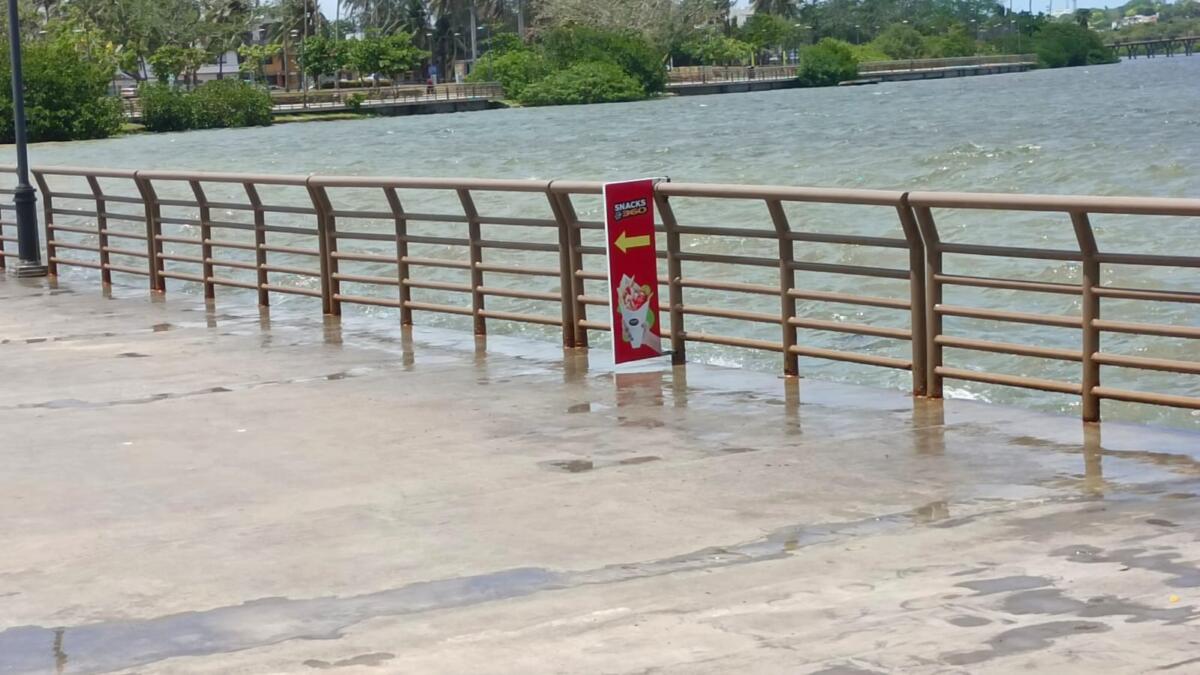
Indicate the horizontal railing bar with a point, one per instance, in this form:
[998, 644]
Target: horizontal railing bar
[292, 290]
[852, 357]
[72, 246]
[518, 245]
[363, 279]
[433, 307]
[364, 214]
[438, 262]
[1013, 317]
[508, 269]
[66, 228]
[726, 232]
[1008, 348]
[732, 286]
[853, 240]
[856, 270]
[224, 281]
[367, 300]
[722, 313]
[126, 269]
[357, 256]
[76, 263]
[177, 240]
[782, 193]
[225, 243]
[745, 343]
[175, 257]
[423, 183]
[1149, 206]
[1149, 260]
[283, 269]
[594, 325]
[517, 222]
[525, 318]
[234, 264]
[288, 229]
[592, 300]
[1145, 363]
[124, 251]
[726, 259]
[1055, 386]
[438, 285]
[84, 171]
[136, 236]
[1009, 284]
[525, 295]
[1138, 294]
[364, 236]
[214, 177]
[170, 274]
[591, 276]
[1158, 329]
[849, 299]
[442, 241]
[848, 327]
[291, 250]
[1145, 397]
[1010, 251]
[89, 197]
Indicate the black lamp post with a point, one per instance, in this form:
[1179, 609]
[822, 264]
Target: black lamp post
[24, 197]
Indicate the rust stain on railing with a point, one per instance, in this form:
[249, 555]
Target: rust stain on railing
[338, 241]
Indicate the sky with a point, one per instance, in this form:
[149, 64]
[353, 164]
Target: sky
[328, 7]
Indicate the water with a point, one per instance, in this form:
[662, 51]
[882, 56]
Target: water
[1124, 129]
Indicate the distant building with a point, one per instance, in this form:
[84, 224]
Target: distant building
[1135, 20]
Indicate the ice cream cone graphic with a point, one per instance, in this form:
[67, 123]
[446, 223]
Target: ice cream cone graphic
[636, 321]
[633, 321]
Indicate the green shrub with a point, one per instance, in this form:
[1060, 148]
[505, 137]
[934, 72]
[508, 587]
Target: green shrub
[630, 51]
[165, 108]
[355, 101]
[66, 94]
[514, 70]
[1069, 44]
[588, 82]
[216, 104]
[230, 103]
[954, 42]
[827, 63]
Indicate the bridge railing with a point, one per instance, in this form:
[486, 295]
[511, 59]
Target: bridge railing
[951, 62]
[760, 268]
[717, 74]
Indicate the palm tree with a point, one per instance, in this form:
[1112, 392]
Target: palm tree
[785, 8]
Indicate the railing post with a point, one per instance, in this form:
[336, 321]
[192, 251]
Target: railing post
[101, 230]
[260, 243]
[1090, 310]
[402, 270]
[674, 276]
[327, 242]
[933, 295]
[787, 282]
[921, 343]
[474, 236]
[576, 285]
[206, 254]
[153, 232]
[47, 223]
[565, 270]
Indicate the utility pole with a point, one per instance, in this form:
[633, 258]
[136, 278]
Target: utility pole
[474, 38]
[24, 198]
[521, 19]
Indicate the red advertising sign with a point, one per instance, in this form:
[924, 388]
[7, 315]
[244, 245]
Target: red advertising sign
[632, 270]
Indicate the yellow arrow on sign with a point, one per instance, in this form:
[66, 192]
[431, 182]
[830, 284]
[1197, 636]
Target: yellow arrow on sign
[625, 242]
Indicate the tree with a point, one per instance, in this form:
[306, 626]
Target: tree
[389, 55]
[900, 41]
[255, 57]
[718, 50]
[1069, 44]
[322, 56]
[168, 62]
[784, 8]
[767, 31]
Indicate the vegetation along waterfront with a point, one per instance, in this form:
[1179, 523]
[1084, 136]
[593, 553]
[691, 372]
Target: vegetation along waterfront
[218, 63]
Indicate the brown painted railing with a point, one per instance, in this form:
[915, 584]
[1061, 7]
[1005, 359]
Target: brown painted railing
[950, 62]
[311, 236]
[706, 74]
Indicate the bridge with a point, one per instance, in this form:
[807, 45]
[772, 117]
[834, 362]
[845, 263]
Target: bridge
[1167, 46]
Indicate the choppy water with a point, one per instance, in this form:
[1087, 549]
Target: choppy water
[1125, 129]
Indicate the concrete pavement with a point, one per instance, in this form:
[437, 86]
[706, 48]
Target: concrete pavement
[191, 489]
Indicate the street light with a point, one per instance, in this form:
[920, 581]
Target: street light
[488, 41]
[29, 249]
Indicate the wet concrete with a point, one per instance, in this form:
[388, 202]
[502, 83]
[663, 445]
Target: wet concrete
[196, 490]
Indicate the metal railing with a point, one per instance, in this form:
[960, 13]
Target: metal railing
[8, 223]
[737, 284]
[716, 74]
[952, 62]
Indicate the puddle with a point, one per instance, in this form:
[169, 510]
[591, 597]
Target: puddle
[133, 355]
[372, 660]
[584, 465]
[1005, 584]
[1182, 575]
[1024, 639]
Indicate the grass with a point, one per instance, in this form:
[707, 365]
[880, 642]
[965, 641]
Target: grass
[320, 117]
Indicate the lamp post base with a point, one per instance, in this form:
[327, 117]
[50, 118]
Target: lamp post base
[29, 270]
